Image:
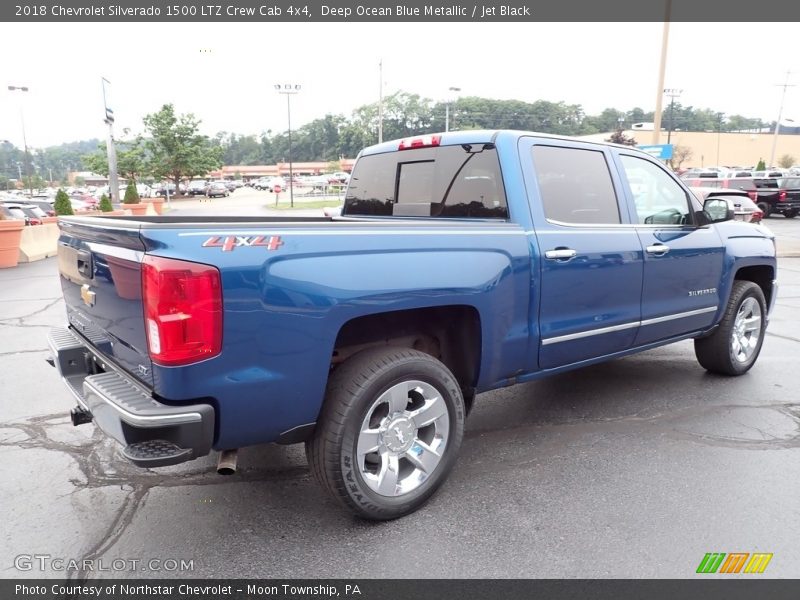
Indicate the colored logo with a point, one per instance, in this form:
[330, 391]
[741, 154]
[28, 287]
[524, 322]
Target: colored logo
[238, 241]
[735, 562]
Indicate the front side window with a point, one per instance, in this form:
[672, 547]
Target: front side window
[659, 200]
[575, 186]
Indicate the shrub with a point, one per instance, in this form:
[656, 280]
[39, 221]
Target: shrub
[131, 195]
[105, 204]
[761, 166]
[62, 206]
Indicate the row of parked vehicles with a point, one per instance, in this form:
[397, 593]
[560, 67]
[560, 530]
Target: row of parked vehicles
[772, 195]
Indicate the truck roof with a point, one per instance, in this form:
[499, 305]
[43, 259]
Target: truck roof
[477, 136]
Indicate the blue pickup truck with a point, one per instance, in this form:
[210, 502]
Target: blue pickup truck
[461, 263]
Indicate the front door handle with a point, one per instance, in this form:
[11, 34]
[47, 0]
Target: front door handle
[560, 254]
[658, 249]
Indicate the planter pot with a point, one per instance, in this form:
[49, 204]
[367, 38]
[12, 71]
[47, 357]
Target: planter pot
[137, 210]
[10, 236]
[158, 204]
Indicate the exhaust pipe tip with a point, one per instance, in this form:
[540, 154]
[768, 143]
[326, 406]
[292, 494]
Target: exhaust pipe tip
[226, 465]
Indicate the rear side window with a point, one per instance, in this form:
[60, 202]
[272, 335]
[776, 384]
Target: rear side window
[575, 186]
[445, 181]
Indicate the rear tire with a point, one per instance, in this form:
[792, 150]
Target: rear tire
[388, 433]
[735, 345]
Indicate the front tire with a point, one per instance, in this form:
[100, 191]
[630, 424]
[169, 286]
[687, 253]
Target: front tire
[389, 432]
[765, 208]
[735, 345]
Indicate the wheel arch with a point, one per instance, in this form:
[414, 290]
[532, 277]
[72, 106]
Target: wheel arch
[762, 275]
[451, 334]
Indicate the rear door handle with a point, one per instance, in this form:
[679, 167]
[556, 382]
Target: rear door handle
[560, 254]
[658, 249]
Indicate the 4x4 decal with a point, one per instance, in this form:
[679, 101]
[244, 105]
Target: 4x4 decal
[230, 242]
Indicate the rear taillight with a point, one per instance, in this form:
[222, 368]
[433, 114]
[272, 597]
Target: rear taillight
[182, 310]
[753, 195]
[782, 196]
[756, 216]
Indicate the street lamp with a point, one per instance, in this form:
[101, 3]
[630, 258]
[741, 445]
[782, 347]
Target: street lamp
[447, 108]
[289, 89]
[672, 93]
[785, 85]
[22, 88]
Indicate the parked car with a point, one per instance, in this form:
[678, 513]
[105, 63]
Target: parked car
[197, 187]
[31, 214]
[338, 177]
[79, 205]
[744, 209]
[217, 188]
[35, 214]
[779, 195]
[46, 206]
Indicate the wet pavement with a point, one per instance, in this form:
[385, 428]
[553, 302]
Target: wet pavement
[633, 468]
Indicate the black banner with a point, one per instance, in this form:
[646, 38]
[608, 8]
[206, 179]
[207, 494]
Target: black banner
[337, 11]
[401, 589]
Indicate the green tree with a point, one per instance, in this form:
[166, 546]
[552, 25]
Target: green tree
[105, 204]
[80, 181]
[131, 195]
[62, 205]
[132, 161]
[33, 182]
[761, 166]
[619, 137]
[175, 149]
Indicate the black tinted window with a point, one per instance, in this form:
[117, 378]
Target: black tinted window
[575, 185]
[446, 181]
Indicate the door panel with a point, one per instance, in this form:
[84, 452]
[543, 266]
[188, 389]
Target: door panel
[682, 262]
[590, 257]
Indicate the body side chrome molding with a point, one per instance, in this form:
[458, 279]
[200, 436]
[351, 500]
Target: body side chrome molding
[624, 326]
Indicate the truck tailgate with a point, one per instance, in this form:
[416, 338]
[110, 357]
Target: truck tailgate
[100, 270]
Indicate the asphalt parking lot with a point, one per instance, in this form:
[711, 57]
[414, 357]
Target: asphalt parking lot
[633, 468]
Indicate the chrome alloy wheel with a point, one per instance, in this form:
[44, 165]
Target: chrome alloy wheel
[402, 438]
[746, 330]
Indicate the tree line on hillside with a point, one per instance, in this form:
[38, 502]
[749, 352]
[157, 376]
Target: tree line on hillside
[172, 146]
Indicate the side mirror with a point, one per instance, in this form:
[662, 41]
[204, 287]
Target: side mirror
[718, 210]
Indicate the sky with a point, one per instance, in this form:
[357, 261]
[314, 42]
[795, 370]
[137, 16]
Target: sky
[224, 73]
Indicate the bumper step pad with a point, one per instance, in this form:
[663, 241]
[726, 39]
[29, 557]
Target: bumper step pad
[155, 453]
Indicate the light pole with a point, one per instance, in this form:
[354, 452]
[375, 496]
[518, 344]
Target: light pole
[785, 85]
[719, 132]
[111, 150]
[447, 108]
[672, 93]
[18, 88]
[289, 89]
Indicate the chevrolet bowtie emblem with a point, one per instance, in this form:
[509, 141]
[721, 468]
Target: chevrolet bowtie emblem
[87, 295]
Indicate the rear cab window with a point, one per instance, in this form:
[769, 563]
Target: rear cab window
[460, 181]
